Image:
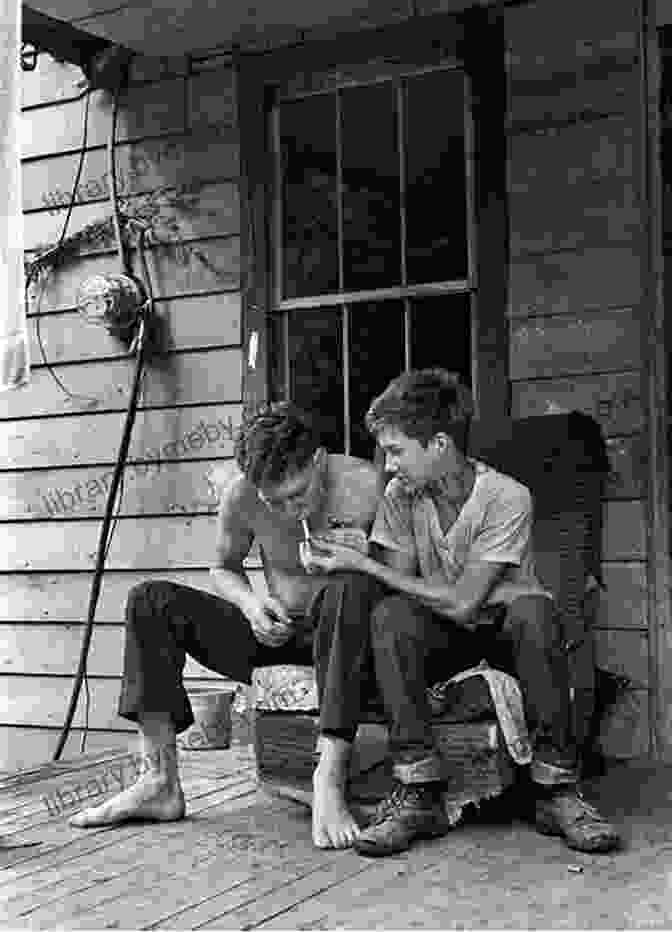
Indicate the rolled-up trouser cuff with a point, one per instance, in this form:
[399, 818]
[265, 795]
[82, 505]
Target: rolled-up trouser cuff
[425, 770]
[551, 775]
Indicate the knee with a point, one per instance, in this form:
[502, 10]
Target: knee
[532, 618]
[143, 598]
[356, 593]
[394, 615]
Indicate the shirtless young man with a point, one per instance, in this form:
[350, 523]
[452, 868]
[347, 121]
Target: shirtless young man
[285, 477]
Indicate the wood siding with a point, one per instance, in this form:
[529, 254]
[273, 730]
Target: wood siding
[575, 307]
[177, 131]
[578, 248]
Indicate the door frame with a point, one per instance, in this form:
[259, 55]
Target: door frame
[657, 344]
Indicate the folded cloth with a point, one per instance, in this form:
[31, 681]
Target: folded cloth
[507, 700]
[285, 688]
[469, 700]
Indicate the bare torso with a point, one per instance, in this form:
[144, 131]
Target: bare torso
[352, 491]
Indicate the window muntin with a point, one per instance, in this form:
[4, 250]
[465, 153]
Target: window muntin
[373, 234]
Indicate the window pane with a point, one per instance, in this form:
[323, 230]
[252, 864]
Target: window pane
[376, 357]
[441, 334]
[310, 227]
[316, 367]
[371, 200]
[436, 214]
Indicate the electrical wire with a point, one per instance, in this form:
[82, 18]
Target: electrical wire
[115, 495]
[104, 538]
[114, 193]
[120, 498]
[39, 264]
[74, 396]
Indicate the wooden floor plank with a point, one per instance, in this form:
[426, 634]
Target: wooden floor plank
[234, 787]
[58, 834]
[28, 799]
[76, 843]
[41, 780]
[232, 905]
[208, 856]
[162, 861]
[277, 901]
[25, 798]
[18, 914]
[167, 843]
[49, 769]
[31, 811]
[62, 879]
[44, 810]
[31, 781]
[379, 881]
[217, 904]
[444, 884]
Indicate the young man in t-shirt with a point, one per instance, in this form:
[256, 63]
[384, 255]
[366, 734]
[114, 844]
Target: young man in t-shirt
[453, 541]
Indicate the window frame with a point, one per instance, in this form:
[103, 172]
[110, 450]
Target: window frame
[473, 38]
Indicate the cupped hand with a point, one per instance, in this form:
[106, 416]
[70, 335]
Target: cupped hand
[325, 556]
[270, 623]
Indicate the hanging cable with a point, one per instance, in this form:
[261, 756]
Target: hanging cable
[104, 538]
[139, 346]
[149, 316]
[112, 174]
[39, 263]
[125, 267]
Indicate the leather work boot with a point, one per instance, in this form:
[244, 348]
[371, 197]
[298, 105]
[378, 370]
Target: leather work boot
[412, 810]
[568, 814]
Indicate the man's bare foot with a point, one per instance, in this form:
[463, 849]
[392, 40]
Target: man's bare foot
[154, 797]
[334, 826]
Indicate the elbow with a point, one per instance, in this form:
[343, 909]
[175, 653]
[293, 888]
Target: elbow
[465, 612]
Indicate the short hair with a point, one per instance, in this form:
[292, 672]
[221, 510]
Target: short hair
[274, 442]
[422, 403]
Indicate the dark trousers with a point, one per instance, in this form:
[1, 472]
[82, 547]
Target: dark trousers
[166, 621]
[413, 647]
[365, 642]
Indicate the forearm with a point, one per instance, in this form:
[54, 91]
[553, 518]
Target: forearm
[441, 598]
[232, 585]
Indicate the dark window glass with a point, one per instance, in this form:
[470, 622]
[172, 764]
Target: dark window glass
[316, 370]
[371, 199]
[310, 226]
[436, 224]
[376, 357]
[441, 334]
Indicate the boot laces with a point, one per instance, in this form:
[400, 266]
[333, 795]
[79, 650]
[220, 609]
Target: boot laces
[395, 801]
[585, 811]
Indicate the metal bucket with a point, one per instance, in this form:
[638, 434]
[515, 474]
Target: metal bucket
[211, 730]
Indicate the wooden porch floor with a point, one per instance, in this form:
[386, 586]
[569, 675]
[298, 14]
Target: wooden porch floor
[243, 860]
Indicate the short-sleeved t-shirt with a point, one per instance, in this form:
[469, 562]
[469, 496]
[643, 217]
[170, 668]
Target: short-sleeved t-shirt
[494, 525]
